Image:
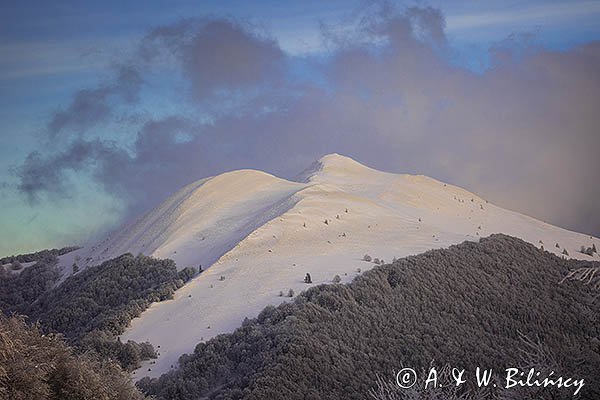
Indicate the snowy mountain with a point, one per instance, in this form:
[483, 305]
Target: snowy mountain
[258, 235]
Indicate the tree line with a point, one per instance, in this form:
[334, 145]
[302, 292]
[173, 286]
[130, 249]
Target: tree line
[37, 256]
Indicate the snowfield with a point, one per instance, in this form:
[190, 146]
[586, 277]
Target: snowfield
[256, 235]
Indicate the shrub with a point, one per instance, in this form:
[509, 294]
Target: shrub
[336, 279]
[588, 251]
[307, 278]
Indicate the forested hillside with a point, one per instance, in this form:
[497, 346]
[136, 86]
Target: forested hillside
[93, 307]
[495, 304]
[18, 291]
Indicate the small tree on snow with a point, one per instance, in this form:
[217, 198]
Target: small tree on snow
[337, 279]
[307, 278]
[367, 258]
[291, 293]
[589, 251]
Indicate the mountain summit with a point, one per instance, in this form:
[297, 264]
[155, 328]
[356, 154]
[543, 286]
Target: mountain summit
[257, 236]
[332, 165]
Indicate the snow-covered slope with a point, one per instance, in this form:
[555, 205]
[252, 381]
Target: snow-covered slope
[199, 223]
[260, 235]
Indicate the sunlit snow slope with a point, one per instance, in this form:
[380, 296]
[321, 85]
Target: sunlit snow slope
[260, 235]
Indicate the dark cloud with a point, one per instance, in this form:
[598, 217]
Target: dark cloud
[523, 134]
[89, 106]
[47, 174]
[217, 55]
[92, 106]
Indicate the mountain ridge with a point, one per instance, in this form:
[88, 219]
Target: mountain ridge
[257, 235]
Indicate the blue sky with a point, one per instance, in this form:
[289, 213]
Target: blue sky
[49, 51]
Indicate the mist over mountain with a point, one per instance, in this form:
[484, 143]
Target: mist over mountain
[197, 96]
